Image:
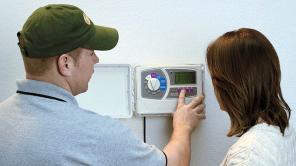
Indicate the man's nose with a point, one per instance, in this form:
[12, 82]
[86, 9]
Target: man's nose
[96, 59]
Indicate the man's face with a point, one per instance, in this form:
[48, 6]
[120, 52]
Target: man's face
[84, 69]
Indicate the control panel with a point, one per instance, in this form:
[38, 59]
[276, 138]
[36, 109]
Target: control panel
[157, 88]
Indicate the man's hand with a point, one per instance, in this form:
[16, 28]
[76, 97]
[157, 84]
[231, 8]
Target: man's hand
[187, 116]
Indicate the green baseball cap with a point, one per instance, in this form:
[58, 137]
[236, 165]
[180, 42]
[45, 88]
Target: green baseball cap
[56, 29]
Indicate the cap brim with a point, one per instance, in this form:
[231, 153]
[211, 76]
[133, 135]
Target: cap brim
[104, 39]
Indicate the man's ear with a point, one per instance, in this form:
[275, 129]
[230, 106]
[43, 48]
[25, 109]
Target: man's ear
[65, 65]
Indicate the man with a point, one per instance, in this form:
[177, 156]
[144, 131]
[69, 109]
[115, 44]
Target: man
[42, 123]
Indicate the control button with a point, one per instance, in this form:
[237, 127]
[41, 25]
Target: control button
[154, 75]
[187, 90]
[173, 93]
[159, 77]
[179, 90]
[190, 90]
[153, 84]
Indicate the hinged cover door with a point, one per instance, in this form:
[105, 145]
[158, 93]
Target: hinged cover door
[109, 91]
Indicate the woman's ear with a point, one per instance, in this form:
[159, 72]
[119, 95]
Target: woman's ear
[65, 65]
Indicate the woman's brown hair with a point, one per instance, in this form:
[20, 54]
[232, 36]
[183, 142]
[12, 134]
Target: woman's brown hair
[246, 75]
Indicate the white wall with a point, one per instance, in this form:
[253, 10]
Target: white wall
[168, 32]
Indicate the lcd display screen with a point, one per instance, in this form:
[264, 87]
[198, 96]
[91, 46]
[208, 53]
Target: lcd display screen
[185, 78]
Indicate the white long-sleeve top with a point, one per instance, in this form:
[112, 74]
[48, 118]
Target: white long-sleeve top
[264, 145]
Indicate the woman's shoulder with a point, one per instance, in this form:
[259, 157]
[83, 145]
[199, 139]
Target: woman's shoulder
[260, 144]
[264, 137]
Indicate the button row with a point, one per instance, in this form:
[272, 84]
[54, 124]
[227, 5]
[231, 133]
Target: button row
[188, 89]
[174, 92]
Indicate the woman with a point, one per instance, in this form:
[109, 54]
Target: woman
[246, 75]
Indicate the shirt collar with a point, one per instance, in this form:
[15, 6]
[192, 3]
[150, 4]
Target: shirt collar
[45, 88]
